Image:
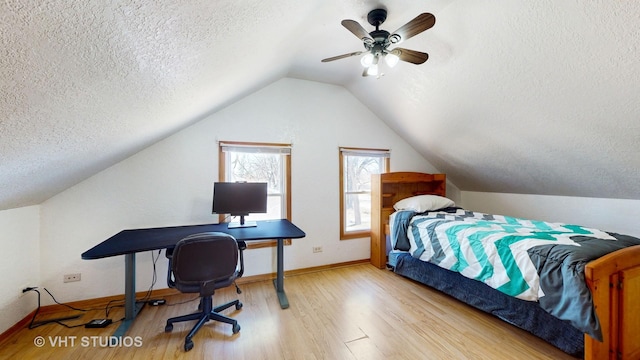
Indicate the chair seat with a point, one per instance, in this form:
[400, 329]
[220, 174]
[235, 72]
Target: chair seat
[185, 288]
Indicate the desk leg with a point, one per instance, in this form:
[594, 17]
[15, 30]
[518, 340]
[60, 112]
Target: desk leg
[279, 281]
[129, 286]
[131, 309]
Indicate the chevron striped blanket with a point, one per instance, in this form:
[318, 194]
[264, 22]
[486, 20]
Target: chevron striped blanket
[528, 259]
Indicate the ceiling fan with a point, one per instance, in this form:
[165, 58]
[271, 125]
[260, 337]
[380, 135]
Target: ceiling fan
[377, 42]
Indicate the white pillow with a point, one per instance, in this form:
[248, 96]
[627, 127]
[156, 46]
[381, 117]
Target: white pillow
[422, 203]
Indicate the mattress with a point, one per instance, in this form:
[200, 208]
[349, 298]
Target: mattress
[536, 261]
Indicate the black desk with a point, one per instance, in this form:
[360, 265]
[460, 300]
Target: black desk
[129, 242]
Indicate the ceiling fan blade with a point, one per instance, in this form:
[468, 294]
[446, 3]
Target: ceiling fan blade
[414, 27]
[342, 56]
[412, 56]
[357, 30]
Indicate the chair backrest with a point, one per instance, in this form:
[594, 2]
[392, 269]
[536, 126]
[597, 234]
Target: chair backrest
[204, 262]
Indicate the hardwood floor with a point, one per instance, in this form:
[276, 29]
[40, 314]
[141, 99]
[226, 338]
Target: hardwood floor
[355, 312]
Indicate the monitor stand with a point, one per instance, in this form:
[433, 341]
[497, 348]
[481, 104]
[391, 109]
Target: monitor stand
[241, 224]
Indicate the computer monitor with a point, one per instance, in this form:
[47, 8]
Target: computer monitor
[239, 199]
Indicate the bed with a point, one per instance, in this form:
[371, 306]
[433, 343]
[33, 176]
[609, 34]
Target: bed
[612, 281]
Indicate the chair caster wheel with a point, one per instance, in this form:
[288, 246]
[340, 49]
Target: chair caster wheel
[236, 328]
[239, 306]
[168, 328]
[188, 345]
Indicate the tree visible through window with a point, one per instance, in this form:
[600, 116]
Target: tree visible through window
[356, 167]
[260, 162]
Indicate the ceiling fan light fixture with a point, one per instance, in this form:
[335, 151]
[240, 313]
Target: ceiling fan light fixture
[372, 70]
[391, 59]
[367, 60]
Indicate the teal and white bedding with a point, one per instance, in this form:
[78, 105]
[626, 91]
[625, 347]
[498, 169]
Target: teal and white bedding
[527, 259]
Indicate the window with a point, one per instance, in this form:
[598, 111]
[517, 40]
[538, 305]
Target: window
[260, 162]
[356, 167]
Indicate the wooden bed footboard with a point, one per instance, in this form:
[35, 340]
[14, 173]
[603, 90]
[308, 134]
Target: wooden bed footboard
[614, 279]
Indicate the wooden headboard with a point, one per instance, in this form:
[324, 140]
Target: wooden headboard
[386, 190]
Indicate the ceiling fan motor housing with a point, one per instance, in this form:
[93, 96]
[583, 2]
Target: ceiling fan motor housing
[380, 37]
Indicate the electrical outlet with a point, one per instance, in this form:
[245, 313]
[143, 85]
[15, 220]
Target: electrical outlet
[317, 249]
[71, 278]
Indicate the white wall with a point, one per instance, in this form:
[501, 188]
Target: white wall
[170, 183]
[613, 215]
[19, 263]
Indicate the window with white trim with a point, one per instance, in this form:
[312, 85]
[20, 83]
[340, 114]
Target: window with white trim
[259, 162]
[356, 167]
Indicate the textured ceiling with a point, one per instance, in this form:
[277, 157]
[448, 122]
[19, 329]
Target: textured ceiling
[536, 97]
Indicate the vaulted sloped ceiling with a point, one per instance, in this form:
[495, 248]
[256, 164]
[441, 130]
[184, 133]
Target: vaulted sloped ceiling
[536, 97]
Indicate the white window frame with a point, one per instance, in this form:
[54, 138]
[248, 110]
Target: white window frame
[225, 149]
[345, 152]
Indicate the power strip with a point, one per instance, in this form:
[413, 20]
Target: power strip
[98, 323]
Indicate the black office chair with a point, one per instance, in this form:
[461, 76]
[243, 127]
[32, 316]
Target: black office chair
[202, 263]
